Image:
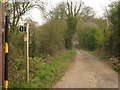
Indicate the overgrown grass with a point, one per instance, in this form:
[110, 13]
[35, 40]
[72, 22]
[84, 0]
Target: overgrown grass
[44, 73]
[101, 56]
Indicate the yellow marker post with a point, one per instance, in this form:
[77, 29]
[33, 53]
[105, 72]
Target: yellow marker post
[6, 47]
[6, 84]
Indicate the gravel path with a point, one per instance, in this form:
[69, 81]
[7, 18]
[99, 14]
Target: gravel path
[88, 71]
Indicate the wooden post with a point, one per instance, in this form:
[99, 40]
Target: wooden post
[2, 6]
[26, 52]
[6, 52]
[0, 44]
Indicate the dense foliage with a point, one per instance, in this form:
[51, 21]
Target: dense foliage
[114, 18]
[50, 39]
[89, 35]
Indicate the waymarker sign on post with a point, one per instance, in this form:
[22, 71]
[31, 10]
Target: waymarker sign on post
[25, 37]
[22, 29]
[25, 30]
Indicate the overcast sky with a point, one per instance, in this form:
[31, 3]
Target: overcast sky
[97, 5]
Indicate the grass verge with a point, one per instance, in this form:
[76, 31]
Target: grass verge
[101, 56]
[44, 73]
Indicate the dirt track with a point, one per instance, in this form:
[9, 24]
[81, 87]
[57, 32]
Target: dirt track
[88, 71]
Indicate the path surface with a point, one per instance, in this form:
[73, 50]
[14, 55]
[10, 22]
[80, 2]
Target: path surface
[88, 71]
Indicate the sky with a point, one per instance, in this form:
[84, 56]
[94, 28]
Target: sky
[97, 5]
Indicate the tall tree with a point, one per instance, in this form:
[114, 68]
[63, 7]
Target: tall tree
[71, 12]
[114, 17]
[18, 9]
[74, 12]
